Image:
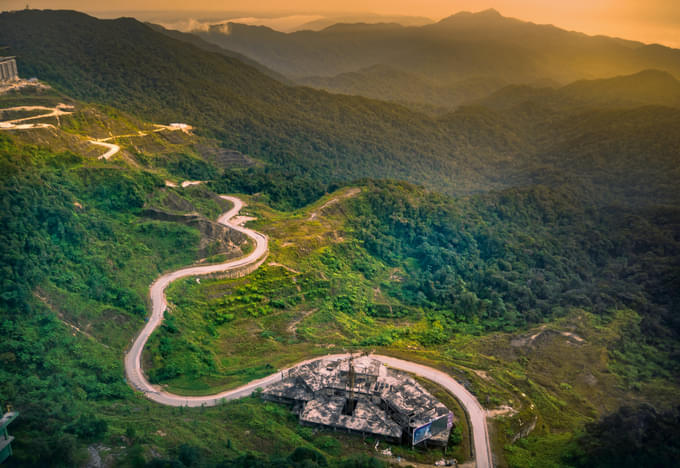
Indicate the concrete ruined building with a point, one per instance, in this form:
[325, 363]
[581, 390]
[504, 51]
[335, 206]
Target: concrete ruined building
[8, 70]
[363, 396]
[5, 438]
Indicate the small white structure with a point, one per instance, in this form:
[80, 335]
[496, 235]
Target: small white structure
[179, 126]
[8, 70]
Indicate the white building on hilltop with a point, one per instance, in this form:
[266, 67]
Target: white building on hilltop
[8, 70]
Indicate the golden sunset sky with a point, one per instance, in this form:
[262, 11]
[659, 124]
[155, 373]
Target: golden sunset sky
[644, 20]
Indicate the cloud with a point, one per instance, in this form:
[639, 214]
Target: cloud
[281, 23]
[188, 25]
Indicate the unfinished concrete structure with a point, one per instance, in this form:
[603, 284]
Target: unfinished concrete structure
[8, 70]
[362, 395]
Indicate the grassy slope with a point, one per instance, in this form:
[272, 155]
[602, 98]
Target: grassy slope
[222, 333]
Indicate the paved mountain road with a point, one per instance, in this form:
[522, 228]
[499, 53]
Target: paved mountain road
[133, 358]
[133, 369]
[136, 378]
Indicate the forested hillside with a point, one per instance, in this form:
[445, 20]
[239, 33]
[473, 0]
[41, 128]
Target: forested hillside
[80, 248]
[211, 47]
[63, 219]
[127, 64]
[333, 138]
[521, 256]
[646, 88]
[409, 88]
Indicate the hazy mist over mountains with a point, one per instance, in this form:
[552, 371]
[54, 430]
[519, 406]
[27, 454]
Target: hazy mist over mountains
[190, 21]
[462, 57]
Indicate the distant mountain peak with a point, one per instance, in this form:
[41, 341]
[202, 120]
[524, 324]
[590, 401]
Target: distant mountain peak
[649, 80]
[653, 73]
[490, 13]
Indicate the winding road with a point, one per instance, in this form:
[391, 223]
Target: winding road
[137, 379]
[133, 369]
[59, 110]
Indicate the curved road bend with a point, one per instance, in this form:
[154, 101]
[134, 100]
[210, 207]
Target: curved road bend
[136, 378]
[133, 357]
[113, 149]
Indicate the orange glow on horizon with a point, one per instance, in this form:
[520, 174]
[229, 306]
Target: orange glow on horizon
[647, 21]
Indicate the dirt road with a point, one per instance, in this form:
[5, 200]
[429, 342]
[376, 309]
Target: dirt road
[350, 193]
[113, 149]
[65, 109]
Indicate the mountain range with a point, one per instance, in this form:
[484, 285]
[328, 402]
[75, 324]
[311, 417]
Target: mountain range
[436, 63]
[509, 138]
[534, 255]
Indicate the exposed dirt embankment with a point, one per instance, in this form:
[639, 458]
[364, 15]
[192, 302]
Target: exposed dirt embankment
[349, 194]
[216, 238]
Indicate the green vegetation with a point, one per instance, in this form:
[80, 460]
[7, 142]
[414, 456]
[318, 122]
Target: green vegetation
[353, 277]
[296, 128]
[548, 285]
[284, 190]
[521, 256]
[61, 210]
[63, 216]
[234, 330]
[79, 257]
[211, 341]
[631, 437]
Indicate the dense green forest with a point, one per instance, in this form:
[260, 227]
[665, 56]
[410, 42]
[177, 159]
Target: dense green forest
[62, 220]
[523, 255]
[285, 190]
[630, 437]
